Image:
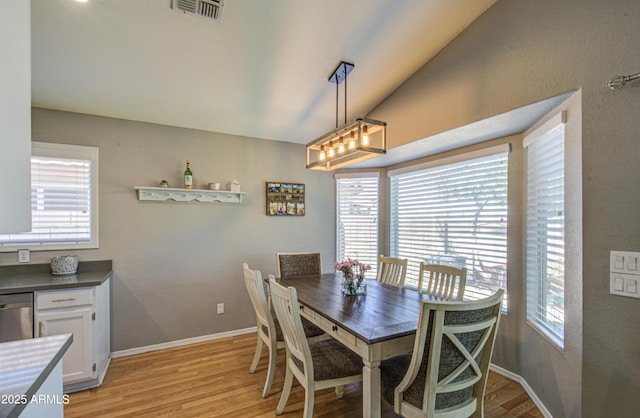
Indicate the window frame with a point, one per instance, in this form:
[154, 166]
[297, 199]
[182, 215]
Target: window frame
[65, 151]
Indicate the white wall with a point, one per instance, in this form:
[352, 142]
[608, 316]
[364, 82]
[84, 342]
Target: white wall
[173, 262]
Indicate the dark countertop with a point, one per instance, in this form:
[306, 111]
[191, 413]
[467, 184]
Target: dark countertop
[34, 277]
[24, 366]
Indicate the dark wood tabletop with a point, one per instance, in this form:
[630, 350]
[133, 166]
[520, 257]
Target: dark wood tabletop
[384, 313]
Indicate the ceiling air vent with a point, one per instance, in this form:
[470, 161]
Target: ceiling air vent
[211, 9]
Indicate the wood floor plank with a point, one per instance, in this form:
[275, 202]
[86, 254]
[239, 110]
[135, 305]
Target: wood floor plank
[212, 379]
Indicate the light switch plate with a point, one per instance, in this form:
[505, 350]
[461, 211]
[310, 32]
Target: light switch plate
[23, 256]
[624, 285]
[624, 279]
[625, 262]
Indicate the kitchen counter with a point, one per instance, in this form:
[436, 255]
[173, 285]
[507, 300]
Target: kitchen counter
[35, 277]
[25, 366]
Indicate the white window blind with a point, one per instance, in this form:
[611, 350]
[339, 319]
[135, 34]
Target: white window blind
[357, 219]
[63, 199]
[545, 231]
[456, 214]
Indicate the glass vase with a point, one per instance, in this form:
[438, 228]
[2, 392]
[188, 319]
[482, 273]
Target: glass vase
[354, 289]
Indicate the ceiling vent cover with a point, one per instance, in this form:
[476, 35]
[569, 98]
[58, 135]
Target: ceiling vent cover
[211, 9]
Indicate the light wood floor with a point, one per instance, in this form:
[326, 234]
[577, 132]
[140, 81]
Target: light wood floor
[212, 379]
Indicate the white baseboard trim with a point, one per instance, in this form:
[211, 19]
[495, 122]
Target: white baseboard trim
[506, 373]
[180, 343]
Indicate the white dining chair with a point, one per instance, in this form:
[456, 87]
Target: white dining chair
[392, 270]
[446, 374]
[442, 281]
[268, 328]
[316, 366]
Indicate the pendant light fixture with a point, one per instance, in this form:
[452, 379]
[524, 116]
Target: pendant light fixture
[353, 142]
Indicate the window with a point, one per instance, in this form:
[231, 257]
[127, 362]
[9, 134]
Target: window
[357, 218]
[454, 211]
[64, 197]
[545, 229]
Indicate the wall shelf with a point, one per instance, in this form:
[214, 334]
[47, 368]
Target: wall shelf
[159, 194]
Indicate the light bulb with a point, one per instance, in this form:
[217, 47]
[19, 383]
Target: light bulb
[332, 152]
[341, 146]
[352, 140]
[323, 155]
[365, 135]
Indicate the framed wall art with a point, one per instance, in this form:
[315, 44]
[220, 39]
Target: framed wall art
[285, 199]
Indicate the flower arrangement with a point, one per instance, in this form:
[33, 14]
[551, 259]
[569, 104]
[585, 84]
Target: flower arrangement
[353, 272]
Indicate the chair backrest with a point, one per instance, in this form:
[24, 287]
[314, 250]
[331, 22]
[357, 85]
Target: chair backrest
[257, 294]
[392, 270]
[285, 303]
[450, 360]
[299, 264]
[444, 282]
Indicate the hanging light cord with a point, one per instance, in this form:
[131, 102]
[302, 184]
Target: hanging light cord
[345, 96]
[619, 81]
[337, 87]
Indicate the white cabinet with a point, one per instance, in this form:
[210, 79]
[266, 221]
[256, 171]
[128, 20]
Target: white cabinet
[78, 361]
[83, 312]
[15, 116]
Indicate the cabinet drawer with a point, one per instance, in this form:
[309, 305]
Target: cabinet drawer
[64, 298]
[336, 331]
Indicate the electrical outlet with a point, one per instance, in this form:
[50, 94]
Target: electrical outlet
[23, 256]
[220, 308]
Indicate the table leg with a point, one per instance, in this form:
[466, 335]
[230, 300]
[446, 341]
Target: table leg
[371, 389]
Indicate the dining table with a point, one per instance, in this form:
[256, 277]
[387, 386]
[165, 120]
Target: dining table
[377, 325]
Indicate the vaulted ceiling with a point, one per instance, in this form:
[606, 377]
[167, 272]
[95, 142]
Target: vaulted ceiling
[259, 72]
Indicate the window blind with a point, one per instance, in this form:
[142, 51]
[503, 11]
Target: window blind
[357, 220]
[455, 214]
[545, 232]
[61, 203]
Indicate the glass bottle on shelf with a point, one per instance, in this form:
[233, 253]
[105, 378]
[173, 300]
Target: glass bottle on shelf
[188, 177]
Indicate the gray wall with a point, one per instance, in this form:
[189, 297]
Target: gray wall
[173, 262]
[517, 53]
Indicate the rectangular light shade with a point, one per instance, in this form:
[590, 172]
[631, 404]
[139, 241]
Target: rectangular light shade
[356, 141]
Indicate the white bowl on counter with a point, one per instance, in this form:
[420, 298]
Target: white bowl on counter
[64, 264]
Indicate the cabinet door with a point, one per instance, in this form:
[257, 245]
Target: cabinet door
[15, 116]
[77, 363]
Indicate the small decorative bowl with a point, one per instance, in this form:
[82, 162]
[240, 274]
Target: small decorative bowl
[64, 264]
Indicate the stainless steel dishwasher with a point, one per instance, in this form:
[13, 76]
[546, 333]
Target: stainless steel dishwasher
[16, 317]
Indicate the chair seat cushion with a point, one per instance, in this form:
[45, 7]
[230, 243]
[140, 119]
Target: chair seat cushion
[310, 329]
[392, 372]
[332, 360]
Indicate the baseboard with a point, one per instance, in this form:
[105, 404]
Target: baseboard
[180, 343]
[506, 373]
